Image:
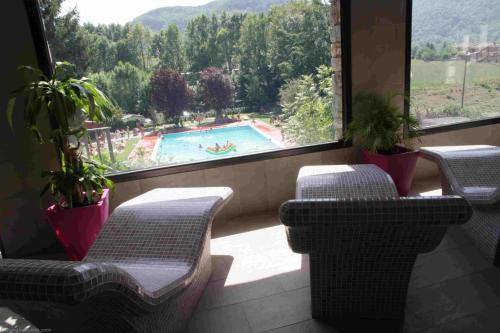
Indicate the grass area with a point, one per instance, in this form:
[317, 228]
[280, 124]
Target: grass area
[437, 74]
[262, 117]
[437, 87]
[119, 157]
[129, 146]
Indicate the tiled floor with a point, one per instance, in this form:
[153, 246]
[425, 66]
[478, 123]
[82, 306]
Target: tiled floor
[260, 285]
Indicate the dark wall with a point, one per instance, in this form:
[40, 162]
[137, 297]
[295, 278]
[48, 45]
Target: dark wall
[23, 229]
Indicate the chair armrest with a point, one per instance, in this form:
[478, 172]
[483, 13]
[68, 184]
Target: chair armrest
[432, 211]
[59, 281]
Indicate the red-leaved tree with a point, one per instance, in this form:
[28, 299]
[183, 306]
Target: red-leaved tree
[216, 90]
[170, 93]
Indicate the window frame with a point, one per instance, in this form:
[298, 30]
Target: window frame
[45, 63]
[432, 129]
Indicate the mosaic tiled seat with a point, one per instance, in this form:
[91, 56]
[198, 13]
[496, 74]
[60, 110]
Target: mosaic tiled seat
[362, 239]
[144, 273]
[473, 172]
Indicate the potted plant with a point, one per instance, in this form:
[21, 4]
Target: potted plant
[79, 188]
[377, 126]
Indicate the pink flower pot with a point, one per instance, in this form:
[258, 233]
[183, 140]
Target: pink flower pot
[400, 166]
[77, 228]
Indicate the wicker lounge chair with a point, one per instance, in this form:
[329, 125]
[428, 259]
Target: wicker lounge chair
[473, 172]
[144, 273]
[362, 239]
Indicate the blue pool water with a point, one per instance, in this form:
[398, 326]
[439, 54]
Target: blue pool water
[184, 147]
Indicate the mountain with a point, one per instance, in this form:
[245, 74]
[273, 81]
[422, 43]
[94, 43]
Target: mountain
[162, 17]
[450, 20]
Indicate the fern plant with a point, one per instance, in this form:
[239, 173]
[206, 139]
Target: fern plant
[377, 123]
[67, 102]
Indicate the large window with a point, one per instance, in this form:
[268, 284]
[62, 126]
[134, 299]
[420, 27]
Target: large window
[455, 61]
[213, 80]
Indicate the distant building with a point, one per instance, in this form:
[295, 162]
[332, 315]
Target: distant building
[481, 52]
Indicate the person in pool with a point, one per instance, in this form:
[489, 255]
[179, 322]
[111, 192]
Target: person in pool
[217, 147]
[200, 146]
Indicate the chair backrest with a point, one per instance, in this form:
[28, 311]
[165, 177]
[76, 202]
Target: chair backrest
[372, 225]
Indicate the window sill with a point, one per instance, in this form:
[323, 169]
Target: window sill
[459, 126]
[169, 170]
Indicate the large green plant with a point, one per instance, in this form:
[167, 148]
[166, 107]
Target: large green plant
[377, 123]
[67, 102]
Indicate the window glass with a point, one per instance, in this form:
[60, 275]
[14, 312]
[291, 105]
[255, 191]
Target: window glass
[197, 80]
[455, 61]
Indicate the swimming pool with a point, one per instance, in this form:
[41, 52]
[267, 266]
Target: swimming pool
[185, 146]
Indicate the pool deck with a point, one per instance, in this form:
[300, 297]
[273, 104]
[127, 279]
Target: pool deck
[150, 142]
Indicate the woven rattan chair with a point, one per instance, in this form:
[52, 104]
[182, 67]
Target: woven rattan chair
[362, 239]
[145, 272]
[473, 172]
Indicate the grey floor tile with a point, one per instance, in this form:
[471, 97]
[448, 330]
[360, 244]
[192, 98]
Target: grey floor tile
[228, 319]
[308, 326]
[221, 265]
[218, 294]
[297, 279]
[276, 311]
[447, 264]
[453, 238]
[444, 302]
[484, 322]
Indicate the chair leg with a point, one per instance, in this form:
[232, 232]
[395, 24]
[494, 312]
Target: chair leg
[359, 287]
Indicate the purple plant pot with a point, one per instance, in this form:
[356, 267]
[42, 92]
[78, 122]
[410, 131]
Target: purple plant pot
[400, 166]
[77, 228]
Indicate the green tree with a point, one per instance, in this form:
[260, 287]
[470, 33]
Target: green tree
[102, 53]
[255, 78]
[228, 38]
[308, 117]
[67, 40]
[126, 85]
[427, 52]
[197, 34]
[134, 46]
[170, 48]
[299, 39]
[214, 43]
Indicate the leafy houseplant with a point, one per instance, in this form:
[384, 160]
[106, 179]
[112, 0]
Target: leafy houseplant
[377, 126]
[78, 187]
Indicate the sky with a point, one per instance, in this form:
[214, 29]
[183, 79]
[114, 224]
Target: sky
[120, 11]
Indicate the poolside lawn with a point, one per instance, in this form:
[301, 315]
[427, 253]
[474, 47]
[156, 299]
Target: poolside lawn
[129, 146]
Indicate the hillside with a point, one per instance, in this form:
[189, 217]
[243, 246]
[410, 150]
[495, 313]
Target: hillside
[181, 15]
[440, 20]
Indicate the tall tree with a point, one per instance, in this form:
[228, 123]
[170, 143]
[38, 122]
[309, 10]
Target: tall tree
[255, 79]
[197, 50]
[67, 40]
[170, 93]
[139, 42]
[214, 45]
[216, 90]
[170, 48]
[126, 83]
[228, 38]
[299, 39]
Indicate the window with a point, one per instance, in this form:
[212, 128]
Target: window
[455, 61]
[216, 80]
